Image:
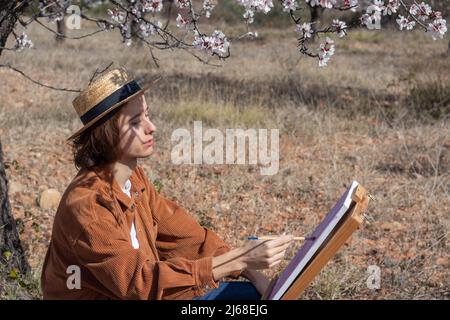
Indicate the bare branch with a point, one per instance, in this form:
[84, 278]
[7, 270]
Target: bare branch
[68, 37]
[97, 72]
[35, 81]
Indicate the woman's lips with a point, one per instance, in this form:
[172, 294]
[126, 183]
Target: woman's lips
[149, 143]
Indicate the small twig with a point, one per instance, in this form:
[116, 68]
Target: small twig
[155, 59]
[68, 37]
[35, 81]
[97, 72]
[169, 12]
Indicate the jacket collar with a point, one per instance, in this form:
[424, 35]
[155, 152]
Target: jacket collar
[107, 184]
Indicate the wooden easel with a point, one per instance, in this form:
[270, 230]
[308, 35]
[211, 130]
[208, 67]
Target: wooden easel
[351, 222]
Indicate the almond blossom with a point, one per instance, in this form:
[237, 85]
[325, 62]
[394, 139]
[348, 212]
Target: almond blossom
[117, 15]
[437, 28]
[326, 51]
[146, 29]
[305, 29]
[152, 5]
[23, 42]
[182, 3]
[340, 27]
[217, 43]
[289, 5]
[191, 13]
[208, 6]
[323, 3]
[405, 23]
[422, 11]
[391, 7]
[252, 6]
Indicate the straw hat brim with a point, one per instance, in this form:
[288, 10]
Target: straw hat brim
[112, 108]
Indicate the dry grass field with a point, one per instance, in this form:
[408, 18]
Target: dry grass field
[379, 114]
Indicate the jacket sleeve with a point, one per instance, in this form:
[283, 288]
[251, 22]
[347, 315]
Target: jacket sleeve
[123, 272]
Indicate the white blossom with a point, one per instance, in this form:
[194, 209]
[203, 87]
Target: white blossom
[152, 5]
[289, 5]
[248, 15]
[323, 3]
[340, 27]
[305, 29]
[182, 3]
[252, 6]
[208, 6]
[405, 23]
[117, 15]
[146, 29]
[372, 17]
[391, 7]
[23, 42]
[217, 43]
[437, 28]
[422, 11]
[326, 51]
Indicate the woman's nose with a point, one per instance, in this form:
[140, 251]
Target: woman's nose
[150, 127]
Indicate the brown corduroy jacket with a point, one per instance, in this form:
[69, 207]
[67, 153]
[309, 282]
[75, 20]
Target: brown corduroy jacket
[91, 231]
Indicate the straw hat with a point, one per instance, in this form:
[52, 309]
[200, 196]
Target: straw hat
[105, 94]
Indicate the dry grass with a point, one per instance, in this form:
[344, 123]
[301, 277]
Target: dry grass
[370, 116]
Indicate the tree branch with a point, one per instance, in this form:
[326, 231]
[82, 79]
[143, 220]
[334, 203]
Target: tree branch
[37, 82]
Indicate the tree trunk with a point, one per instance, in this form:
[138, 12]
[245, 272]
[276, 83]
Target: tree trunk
[316, 14]
[61, 29]
[11, 251]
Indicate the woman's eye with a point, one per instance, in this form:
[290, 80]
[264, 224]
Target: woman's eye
[135, 123]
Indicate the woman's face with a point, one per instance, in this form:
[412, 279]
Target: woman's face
[135, 130]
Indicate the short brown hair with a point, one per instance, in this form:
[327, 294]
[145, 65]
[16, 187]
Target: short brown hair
[97, 145]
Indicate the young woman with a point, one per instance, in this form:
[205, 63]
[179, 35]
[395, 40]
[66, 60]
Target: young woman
[115, 237]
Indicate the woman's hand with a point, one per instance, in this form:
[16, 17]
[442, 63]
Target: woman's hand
[264, 254]
[256, 255]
